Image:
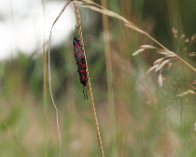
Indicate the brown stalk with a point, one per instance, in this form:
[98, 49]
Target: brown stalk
[89, 82]
[50, 77]
[96, 7]
[109, 75]
[45, 86]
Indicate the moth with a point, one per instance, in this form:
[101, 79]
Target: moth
[81, 63]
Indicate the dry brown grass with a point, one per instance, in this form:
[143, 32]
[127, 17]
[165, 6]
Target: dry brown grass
[92, 102]
[79, 29]
[50, 79]
[98, 8]
[167, 56]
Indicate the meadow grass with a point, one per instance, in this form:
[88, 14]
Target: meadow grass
[137, 118]
[158, 67]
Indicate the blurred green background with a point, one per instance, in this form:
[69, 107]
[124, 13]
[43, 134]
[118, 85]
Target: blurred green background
[140, 119]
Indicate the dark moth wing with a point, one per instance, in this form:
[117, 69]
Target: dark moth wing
[80, 60]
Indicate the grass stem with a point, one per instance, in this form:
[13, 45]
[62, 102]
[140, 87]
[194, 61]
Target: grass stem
[50, 79]
[45, 108]
[98, 8]
[89, 82]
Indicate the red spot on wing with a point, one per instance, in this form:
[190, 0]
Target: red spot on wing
[76, 45]
[82, 65]
[79, 59]
[83, 78]
[82, 71]
[77, 52]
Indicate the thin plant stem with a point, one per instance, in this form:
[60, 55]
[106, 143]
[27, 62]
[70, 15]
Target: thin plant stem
[19, 146]
[45, 84]
[49, 77]
[96, 7]
[186, 63]
[89, 82]
[109, 75]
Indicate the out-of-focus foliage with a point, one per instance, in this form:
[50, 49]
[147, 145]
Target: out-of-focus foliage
[146, 121]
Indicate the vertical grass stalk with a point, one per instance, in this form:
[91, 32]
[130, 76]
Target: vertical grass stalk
[98, 8]
[45, 85]
[49, 76]
[89, 82]
[109, 78]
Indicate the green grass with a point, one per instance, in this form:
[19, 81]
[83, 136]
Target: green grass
[148, 120]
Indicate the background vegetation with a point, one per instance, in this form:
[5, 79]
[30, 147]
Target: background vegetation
[136, 116]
